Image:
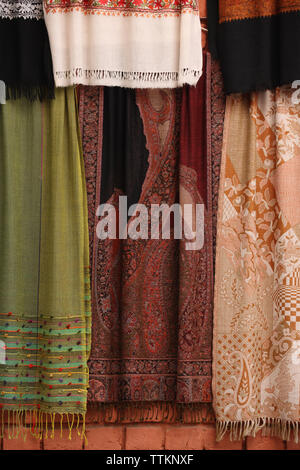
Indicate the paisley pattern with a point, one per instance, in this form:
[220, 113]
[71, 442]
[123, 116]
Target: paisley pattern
[217, 115]
[151, 299]
[257, 298]
[132, 299]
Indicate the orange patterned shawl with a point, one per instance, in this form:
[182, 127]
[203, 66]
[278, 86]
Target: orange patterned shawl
[257, 295]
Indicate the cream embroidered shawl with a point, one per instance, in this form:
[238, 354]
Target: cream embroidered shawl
[129, 43]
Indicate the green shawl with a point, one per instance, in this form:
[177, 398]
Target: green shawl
[44, 272]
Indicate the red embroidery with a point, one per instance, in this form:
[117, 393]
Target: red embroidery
[123, 7]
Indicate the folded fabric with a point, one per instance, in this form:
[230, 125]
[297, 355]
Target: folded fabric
[136, 44]
[26, 64]
[256, 41]
[257, 293]
[44, 272]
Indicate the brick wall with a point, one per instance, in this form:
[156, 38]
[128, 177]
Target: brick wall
[146, 437]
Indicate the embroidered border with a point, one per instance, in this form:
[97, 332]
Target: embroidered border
[236, 10]
[155, 8]
[26, 9]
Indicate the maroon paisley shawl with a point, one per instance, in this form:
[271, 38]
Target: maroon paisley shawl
[217, 116]
[152, 299]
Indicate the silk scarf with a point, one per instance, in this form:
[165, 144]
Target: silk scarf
[256, 42]
[44, 275]
[151, 299]
[26, 64]
[257, 295]
[150, 44]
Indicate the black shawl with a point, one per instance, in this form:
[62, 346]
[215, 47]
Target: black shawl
[26, 64]
[257, 42]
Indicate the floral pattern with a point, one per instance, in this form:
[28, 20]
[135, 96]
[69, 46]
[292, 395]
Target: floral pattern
[151, 299]
[124, 7]
[26, 9]
[217, 112]
[257, 303]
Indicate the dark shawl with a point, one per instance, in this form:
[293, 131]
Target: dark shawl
[257, 42]
[151, 299]
[26, 64]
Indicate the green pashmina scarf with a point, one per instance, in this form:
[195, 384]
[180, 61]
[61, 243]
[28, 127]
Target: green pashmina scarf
[44, 272]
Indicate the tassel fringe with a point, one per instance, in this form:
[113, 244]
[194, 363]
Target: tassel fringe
[31, 93]
[143, 78]
[18, 423]
[152, 412]
[40, 424]
[286, 430]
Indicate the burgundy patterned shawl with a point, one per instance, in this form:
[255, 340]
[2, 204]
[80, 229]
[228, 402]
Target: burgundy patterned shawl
[217, 116]
[152, 299]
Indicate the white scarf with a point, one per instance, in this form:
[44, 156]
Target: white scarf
[128, 43]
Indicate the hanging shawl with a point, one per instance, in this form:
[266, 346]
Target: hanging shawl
[25, 57]
[257, 42]
[257, 293]
[151, 299]
[154, 44]
[44, 278]
[217, 98]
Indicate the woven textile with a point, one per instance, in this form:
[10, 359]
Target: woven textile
[256, 42]
[256, 335]
[21, 9]
[44, 275]
[217, 115]
[152, 318]
[26, 64]
[134, 44]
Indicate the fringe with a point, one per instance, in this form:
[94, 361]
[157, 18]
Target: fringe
[32, 93]
[151, 412]
[77, 73]
[275, 427]
[40, 424]
[17, 424]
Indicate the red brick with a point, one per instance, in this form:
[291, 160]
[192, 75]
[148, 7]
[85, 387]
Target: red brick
[30, 442]
[291, 445]
[63, 442]
[145, 437]
[264, 443]
[208, 433]
[184, 438]
[104, 437]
